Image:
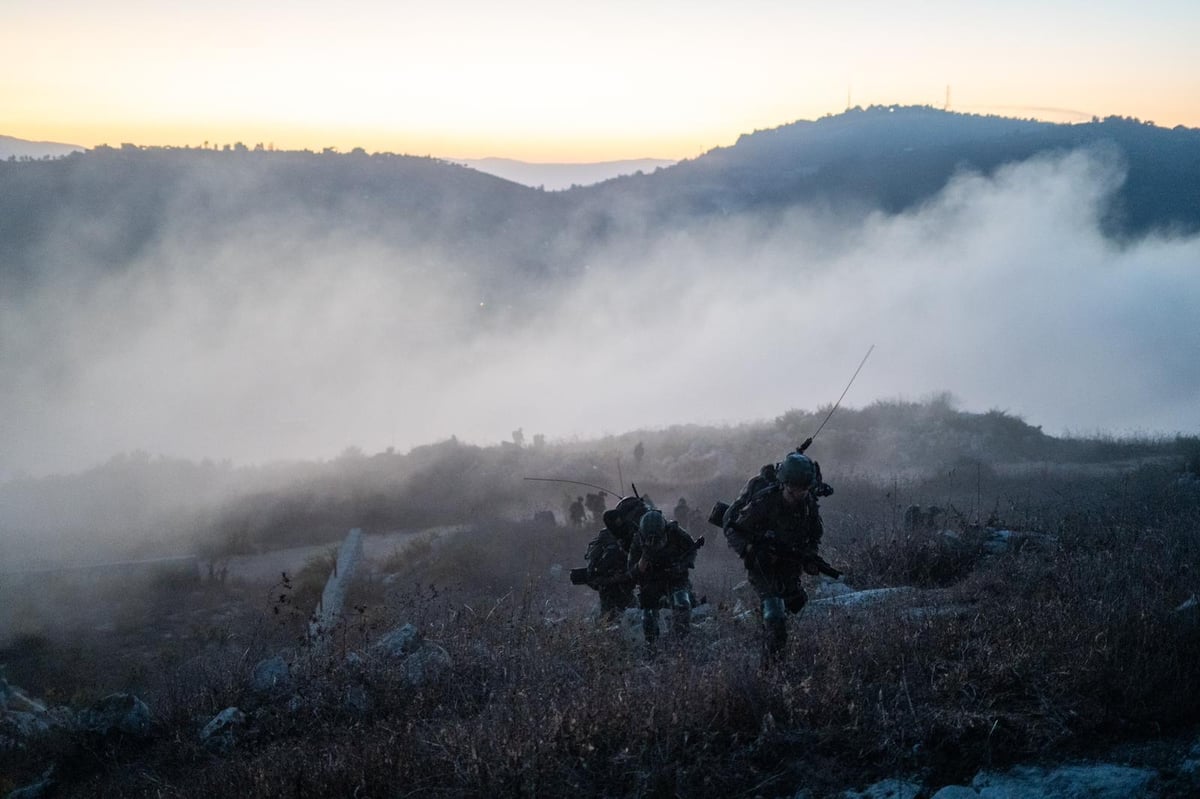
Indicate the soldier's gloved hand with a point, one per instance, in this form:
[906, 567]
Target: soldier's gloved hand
[643, 565]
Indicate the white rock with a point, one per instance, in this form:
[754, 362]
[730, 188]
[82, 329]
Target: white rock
[220, 730]
[1079, 781]
[401, 642]
[956, 792]
[271, 674]
[888, 789]
[872, 596]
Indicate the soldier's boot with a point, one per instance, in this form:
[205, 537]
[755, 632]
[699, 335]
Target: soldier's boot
[650, 627]
[681, 613]
[775, 628]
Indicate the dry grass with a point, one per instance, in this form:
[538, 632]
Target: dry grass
[1039, 652]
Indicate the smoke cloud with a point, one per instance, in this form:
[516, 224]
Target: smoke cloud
[1001, 290]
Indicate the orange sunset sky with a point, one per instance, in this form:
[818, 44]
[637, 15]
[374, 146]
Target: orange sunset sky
[544, 81]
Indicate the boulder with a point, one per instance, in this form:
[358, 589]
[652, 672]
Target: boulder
[18, 727]
[117, 714]
[271, 675]
[1189, 770]
[13, 698]
[858, 599]
[422, 660]
[428, 663]
[401, 642]
[888, 789]
[1077, 781]
[221, 731]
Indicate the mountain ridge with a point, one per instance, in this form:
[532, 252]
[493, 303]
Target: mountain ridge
[13, 147]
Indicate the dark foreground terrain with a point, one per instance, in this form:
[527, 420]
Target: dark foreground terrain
[1066, 637]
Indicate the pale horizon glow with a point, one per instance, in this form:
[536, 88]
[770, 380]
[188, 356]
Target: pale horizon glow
[537, 81]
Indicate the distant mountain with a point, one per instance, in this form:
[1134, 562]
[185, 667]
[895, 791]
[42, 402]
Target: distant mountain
[554, 177]
[117, 203]
[113, 203]
[895, 157]
[11, 147]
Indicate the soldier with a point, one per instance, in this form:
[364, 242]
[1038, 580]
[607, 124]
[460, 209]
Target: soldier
[596, 504]
[659, 559]
[608, 556]
[776, 534]
[576, 512]
[683, 513]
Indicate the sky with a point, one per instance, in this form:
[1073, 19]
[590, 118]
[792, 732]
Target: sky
[552, 82]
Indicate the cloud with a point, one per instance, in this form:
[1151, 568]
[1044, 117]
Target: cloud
[260, 346]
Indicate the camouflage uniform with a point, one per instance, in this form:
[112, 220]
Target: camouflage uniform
[608, 571]
[772, 536]
[576, 512]
[661, 572]
[608, 556]
[764, 478]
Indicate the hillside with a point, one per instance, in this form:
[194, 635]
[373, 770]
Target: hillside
[886, 159]
[119, 205]
[892, 159]
[138, 506]
[1043, 632]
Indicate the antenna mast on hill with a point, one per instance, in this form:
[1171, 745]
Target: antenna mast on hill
[947, 106]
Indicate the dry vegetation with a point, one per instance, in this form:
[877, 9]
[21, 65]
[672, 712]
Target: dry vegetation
[1042, 652]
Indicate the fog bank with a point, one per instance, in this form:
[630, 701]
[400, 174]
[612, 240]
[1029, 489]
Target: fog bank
[264, 346]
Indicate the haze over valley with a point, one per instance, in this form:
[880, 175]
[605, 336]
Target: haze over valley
[256, 306]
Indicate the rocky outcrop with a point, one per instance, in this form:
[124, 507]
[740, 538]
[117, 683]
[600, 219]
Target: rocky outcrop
[123, 714]
[221, 731]
[421, 661]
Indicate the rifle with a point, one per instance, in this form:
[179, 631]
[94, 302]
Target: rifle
[810, 561]
[579, 576]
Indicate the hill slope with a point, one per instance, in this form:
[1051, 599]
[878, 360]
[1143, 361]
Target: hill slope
[893, 158]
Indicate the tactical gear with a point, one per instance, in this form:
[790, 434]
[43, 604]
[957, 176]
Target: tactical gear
[660, 568]
[630, 508]
[797, 470]
[607, 570]
[777, 533]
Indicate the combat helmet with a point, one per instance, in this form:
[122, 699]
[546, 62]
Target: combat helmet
[653, 528]
[623, 518]
[798, 470]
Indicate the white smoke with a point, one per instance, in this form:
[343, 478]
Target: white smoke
[1001, 290]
